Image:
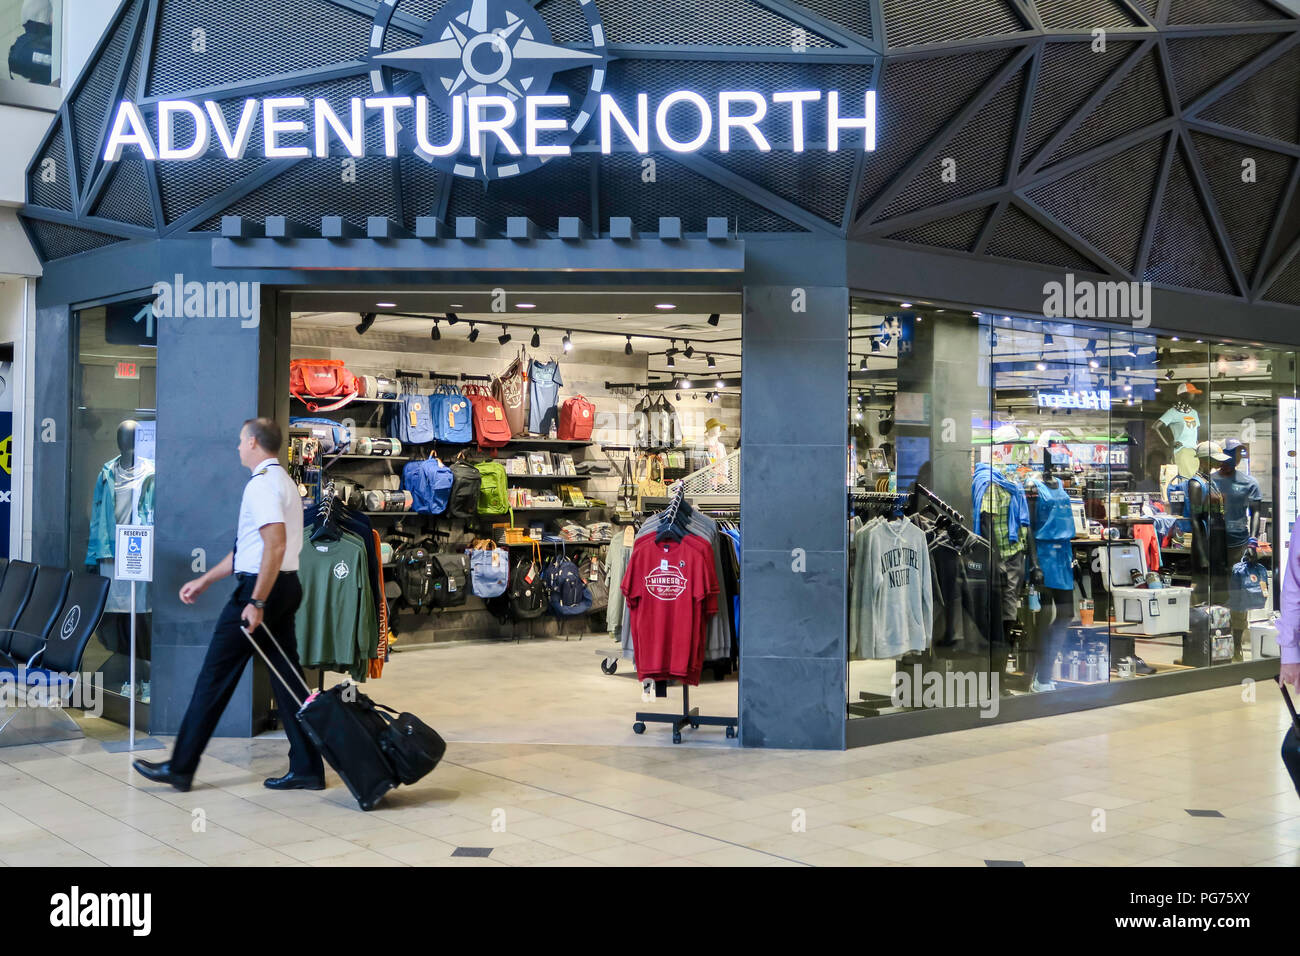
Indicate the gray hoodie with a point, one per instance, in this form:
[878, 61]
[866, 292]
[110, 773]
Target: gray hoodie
[891, 611]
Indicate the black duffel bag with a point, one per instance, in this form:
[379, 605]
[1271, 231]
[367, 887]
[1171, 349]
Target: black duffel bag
[412, 747]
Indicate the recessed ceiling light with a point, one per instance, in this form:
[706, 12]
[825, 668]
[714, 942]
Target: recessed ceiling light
[525, 305]
[456, 305]
[386, 305]
[665, 305]
[905, 305]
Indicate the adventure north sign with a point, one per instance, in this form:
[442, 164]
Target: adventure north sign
[294, 127]
[487, 110]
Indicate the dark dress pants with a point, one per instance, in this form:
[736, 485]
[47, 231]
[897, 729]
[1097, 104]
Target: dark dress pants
[224, 665]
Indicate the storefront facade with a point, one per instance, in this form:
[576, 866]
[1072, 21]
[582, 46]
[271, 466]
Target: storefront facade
[1016, 145]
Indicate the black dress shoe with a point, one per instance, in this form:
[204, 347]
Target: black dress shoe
[163, 773]
[294, 781]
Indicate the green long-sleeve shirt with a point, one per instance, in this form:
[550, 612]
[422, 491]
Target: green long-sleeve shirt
[337, 624]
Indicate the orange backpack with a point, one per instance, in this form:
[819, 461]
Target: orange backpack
[313, 379]
[491, 428]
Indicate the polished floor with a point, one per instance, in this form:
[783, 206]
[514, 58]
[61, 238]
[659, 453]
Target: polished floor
[1184, 781]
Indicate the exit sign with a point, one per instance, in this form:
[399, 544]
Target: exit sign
[127, 370]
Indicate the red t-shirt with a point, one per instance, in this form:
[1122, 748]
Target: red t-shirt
[672, 591]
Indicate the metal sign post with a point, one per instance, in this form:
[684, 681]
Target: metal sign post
[133, 561]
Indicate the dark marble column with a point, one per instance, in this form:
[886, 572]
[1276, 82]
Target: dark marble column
[793, 651]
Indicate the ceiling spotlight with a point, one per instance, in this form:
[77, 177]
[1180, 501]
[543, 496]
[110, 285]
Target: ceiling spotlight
[367, 320]
[435, 333]
[720, 383]
[679, 396]
[452, 318]
[473, 332]
[536, 339]
[504, 337]
[627, 349]
[857, 416]
[1042, 367]
[686, 383]
[875, 347]
[1169, 373]
[1047, 339]
[567, 342]
[862, 365]
[690, 349]
[1092, 363]
[712, 362]
[714, 319]
[668, 359]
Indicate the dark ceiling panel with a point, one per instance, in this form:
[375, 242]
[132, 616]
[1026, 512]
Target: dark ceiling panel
[1069, 73]
[1183, 249]
[958, 233]
[1198, 63]
[979, 152]
[908, 23]
[55, 240]
[1106, 203]
[1084, 15]
[49, 183]
[1247, 184]
[1264, 103]
[1018, 236]
[1137, 101]
[126, 195]
[1222, 11]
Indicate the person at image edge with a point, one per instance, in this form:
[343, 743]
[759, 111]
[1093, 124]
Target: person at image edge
[270, 515]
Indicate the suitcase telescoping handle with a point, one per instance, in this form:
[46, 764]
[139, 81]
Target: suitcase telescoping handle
[1286, 696]
[284, 683]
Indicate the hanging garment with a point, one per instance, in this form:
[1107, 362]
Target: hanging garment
[122, 496]
[512, 391]
[1145, 535]
[336, 623]
[620, 549]
[1013, 512]
[544, 383]
[891, 610]
[671, 590]
[1053, 529]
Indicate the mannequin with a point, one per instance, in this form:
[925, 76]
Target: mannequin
[1209, 534]
[1001, 505]
[124, 494]
[1051, 560]
[1179, 428]
[716, 453]
[1242, 502]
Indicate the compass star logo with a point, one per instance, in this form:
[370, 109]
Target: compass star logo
[491, 48]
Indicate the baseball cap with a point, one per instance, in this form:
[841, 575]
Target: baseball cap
[1211, 449]
[1187, 388]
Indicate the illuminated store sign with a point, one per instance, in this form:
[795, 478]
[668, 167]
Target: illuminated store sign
[489, 107]
[1096, 400]
[296, 128]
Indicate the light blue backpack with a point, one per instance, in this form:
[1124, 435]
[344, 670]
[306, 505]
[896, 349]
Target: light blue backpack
[489, 570]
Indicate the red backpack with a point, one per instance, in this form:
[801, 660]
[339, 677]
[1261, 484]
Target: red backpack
[491, 430]
[577, 417]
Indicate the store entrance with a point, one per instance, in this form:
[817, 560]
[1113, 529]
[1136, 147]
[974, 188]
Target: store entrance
[500, 458]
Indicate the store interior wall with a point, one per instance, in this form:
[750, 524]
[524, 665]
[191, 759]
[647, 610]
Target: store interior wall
[595, 361]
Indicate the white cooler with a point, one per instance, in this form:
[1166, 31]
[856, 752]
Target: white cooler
[1263, 641]
[1152, 610]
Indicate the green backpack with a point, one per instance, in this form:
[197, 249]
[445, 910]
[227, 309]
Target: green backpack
[493, 495]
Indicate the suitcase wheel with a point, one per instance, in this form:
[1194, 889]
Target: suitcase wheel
[638, 727]
[609, 667]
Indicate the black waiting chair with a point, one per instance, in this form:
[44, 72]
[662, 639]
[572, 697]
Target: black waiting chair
[15, 592]
[26, 639]
[56, 673]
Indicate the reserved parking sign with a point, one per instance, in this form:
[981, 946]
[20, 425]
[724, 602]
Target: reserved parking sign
[134, 553]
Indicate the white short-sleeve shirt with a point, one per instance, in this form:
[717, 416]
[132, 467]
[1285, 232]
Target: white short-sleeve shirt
[270, 497]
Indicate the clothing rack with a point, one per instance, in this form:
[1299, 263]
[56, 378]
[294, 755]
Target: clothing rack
[442, 376]
[919, 490]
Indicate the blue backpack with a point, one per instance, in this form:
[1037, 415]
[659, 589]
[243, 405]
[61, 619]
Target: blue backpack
[453, 416]
[334, 438]
[565, 588]
[429, 482]
[489, 571]
[1249, 590]
[412, 420]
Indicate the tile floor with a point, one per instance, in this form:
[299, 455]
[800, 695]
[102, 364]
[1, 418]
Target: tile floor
[1108, 787]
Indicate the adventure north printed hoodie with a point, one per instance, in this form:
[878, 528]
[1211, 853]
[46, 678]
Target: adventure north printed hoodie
[892, 607]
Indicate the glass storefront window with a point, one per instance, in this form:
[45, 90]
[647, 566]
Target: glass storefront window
[112, 480]
[29, 36]
[1094, 504]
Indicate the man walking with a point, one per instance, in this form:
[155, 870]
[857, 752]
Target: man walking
[265, 564]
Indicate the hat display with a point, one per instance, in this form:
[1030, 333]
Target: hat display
[1211, 449]
[713, 423]
[1187, 388]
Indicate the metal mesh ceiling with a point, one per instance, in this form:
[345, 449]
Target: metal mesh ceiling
[1089, 125]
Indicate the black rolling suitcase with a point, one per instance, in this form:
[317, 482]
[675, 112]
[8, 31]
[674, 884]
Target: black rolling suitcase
[1291, 742]
[371, 751]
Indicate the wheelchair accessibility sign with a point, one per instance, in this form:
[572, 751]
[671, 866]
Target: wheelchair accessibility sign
[134, 553]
